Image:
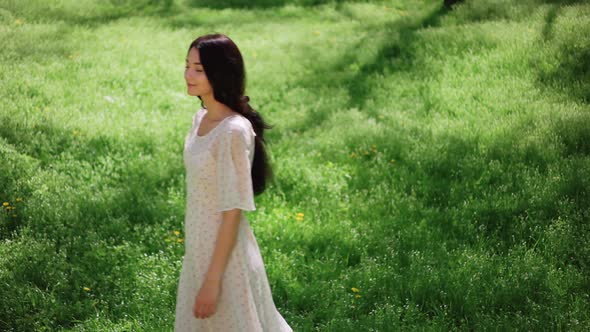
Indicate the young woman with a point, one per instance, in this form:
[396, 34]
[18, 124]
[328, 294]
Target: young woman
[223, 284]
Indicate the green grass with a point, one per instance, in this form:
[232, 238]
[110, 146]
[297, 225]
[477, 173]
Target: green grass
[441, 160]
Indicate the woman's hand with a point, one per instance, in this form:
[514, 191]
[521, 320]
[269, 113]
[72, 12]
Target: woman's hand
[207, 298]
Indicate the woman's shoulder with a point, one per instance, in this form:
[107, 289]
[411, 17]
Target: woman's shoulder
[240, 124]
[237, 131]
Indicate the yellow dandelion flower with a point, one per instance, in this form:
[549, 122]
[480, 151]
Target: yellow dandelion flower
[180, 240]
[176, 233]
[87, 289]
[317, 33]
[300, 214]
[356, 290]
[5, 204]
[357, 296]
[18, 21]
[19, 199]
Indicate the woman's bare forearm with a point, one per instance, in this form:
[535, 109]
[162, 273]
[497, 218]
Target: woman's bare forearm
[226, 240]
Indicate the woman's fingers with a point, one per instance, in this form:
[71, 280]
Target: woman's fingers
[204, 311]
[198, 310]
[200, 313]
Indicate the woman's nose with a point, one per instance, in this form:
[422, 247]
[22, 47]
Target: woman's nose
[188, 74]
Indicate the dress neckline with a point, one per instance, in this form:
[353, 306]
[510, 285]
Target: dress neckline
[213, 129]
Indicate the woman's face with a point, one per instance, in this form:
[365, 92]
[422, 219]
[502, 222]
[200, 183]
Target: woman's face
[196, 80]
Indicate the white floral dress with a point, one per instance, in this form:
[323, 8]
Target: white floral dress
[218, 178]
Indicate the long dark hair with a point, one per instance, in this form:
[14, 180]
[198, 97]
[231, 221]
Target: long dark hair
[224, 67]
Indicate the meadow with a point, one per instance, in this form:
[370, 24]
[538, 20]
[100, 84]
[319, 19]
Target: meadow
[432, 166]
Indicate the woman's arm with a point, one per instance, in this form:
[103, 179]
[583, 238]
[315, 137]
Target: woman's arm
[226, 239]
[236, 193]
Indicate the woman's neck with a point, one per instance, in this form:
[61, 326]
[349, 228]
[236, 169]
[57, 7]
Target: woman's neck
[215, 109]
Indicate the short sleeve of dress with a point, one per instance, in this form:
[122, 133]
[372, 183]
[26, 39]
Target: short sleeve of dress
[234, 176]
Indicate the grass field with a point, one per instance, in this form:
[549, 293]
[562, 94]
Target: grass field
[438, 162]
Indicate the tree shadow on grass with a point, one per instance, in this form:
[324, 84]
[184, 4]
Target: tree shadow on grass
[40, 46]
[448, 173]
[46, 29]
[398, 54]
[492, 10]
[563, 2]
[395, 54]
[571, 76]
[93, 15]
[194, 18]
[127, 188]
[549, 21]
[97, 206]
[261, 4]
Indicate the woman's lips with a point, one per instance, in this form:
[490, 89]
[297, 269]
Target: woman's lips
[191, 84]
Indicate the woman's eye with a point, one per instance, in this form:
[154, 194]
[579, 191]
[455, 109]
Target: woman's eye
[198, 70]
